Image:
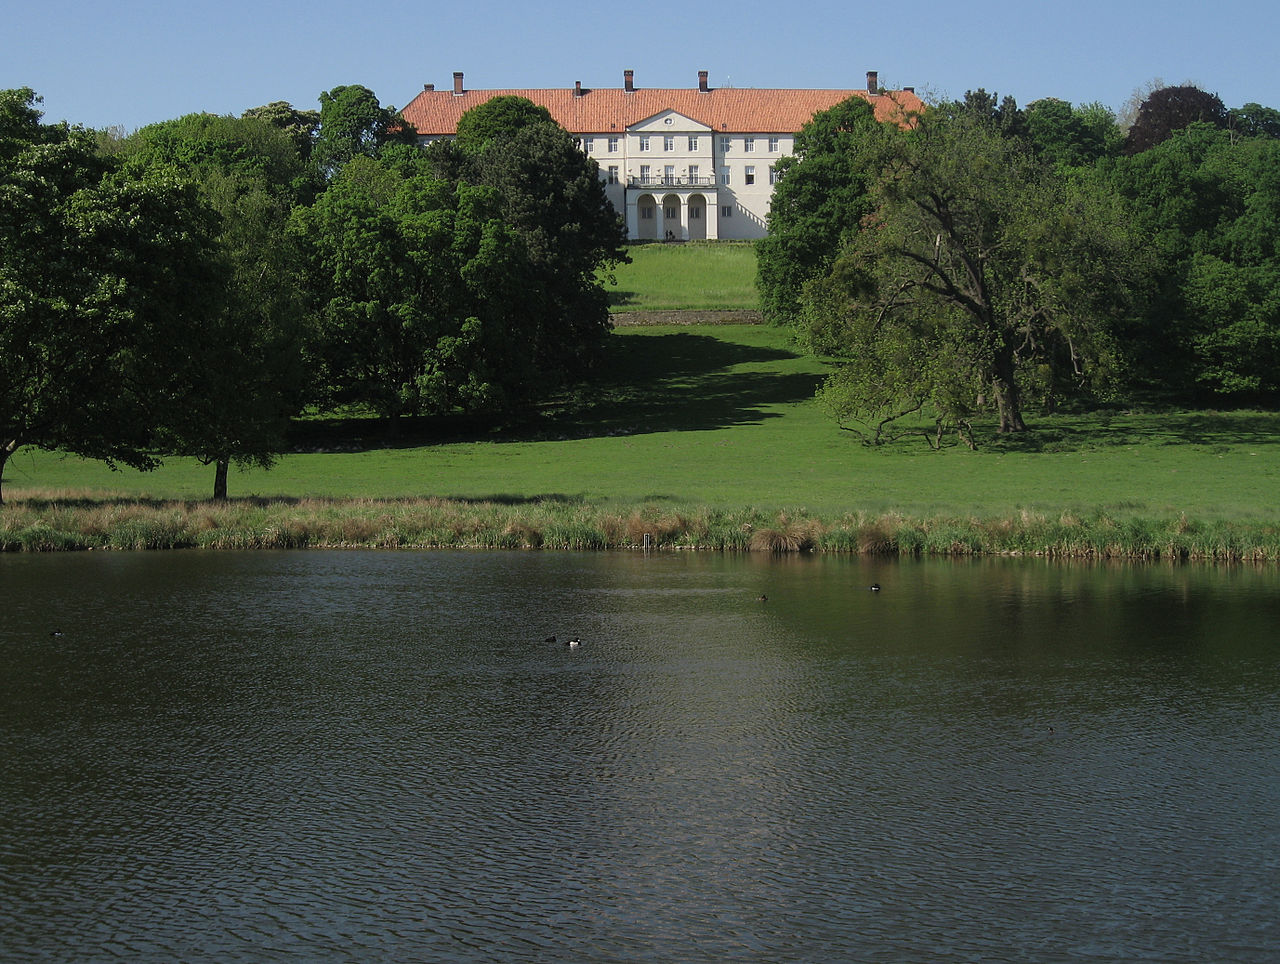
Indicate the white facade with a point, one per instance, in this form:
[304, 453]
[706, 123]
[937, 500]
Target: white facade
[676, 179]
[679, 164]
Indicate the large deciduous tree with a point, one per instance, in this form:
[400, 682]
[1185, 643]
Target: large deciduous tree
[243, 375]
[353, 123]
[551, 196]
[106, 273]
[980, 274]
[818, 203]
[418, 284]
[1170, 109]
[1208, 204]
[1069, 136]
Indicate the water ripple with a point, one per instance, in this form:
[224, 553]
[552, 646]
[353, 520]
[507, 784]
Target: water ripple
[350, 756]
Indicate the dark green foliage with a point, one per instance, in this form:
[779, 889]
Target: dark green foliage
[300, 125]
[107, 274]
[1210, 206]
[551, 196]
[818, 203]
[982, 277]
[242, 375]
[463, 279]
[989, 110]
[1170, 109]
[499, 117]
[1069, 136]
[1254, 120]
[353, 123]
[418, 284]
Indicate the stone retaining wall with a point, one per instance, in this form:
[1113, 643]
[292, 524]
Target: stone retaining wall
[744, 316]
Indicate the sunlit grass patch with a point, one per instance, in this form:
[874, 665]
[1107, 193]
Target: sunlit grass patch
[700, 276]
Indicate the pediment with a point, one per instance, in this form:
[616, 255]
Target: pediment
[669, 121]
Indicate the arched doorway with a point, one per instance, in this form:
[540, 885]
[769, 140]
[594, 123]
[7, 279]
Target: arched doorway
[697, 217]
[672, 223]
[647, 217]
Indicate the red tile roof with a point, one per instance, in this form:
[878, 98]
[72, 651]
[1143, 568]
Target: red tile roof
[612, 110]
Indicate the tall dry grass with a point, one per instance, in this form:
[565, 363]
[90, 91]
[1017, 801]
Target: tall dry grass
[56, 523]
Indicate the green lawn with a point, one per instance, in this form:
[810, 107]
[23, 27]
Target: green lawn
[703, 276]
[724, 416]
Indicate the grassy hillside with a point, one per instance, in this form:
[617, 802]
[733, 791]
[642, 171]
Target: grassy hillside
[698, 276]
[724, 416]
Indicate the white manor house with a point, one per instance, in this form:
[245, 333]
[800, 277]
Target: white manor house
[683, 164]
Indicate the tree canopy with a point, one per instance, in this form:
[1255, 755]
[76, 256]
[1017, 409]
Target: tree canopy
[1209, 203]
[106, 274]
[978, 276]
[354, 123]
[1170, 109]
[1070, 137]
[242, 375]
[498, 117]
[551, 196]
[417, 283]
[819, 201]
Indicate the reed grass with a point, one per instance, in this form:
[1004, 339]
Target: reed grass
[45, 524]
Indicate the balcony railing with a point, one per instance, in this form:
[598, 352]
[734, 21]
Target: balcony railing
[672, 180]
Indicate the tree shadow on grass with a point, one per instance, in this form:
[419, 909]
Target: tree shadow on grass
[680, 381]
[1106, 429]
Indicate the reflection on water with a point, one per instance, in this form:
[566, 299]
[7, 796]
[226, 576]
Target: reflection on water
[366, 755]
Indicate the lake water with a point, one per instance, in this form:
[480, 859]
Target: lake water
[355, 756]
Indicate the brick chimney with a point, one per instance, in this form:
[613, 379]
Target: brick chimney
[628, 81]
[577, 88]
[873, 82]
[457, 83]
[702, 81]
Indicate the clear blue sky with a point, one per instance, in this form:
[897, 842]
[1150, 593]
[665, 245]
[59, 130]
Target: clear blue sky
[131, 63]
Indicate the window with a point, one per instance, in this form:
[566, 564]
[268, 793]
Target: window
[588, 144]
[669, 174]
[613, 145]
[644, 173]
[693, 173]
[668, 143]
[724, 144]
[724, 175]
[773, 145]
[726, 211]
[613, 174]
[644, 142]
[646, 213]
[773, 175]
[695, 214]
[748, 143]
[671, 213]
[749, 176]
[693, 142]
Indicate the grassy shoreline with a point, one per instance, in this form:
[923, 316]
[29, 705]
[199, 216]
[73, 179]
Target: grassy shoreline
[702, 437]
[43, 524]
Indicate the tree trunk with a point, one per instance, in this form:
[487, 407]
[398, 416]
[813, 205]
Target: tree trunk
[220, 480]
[5, 452]
[1008, 398]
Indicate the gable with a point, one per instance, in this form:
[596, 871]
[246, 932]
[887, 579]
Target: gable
[668, 122]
